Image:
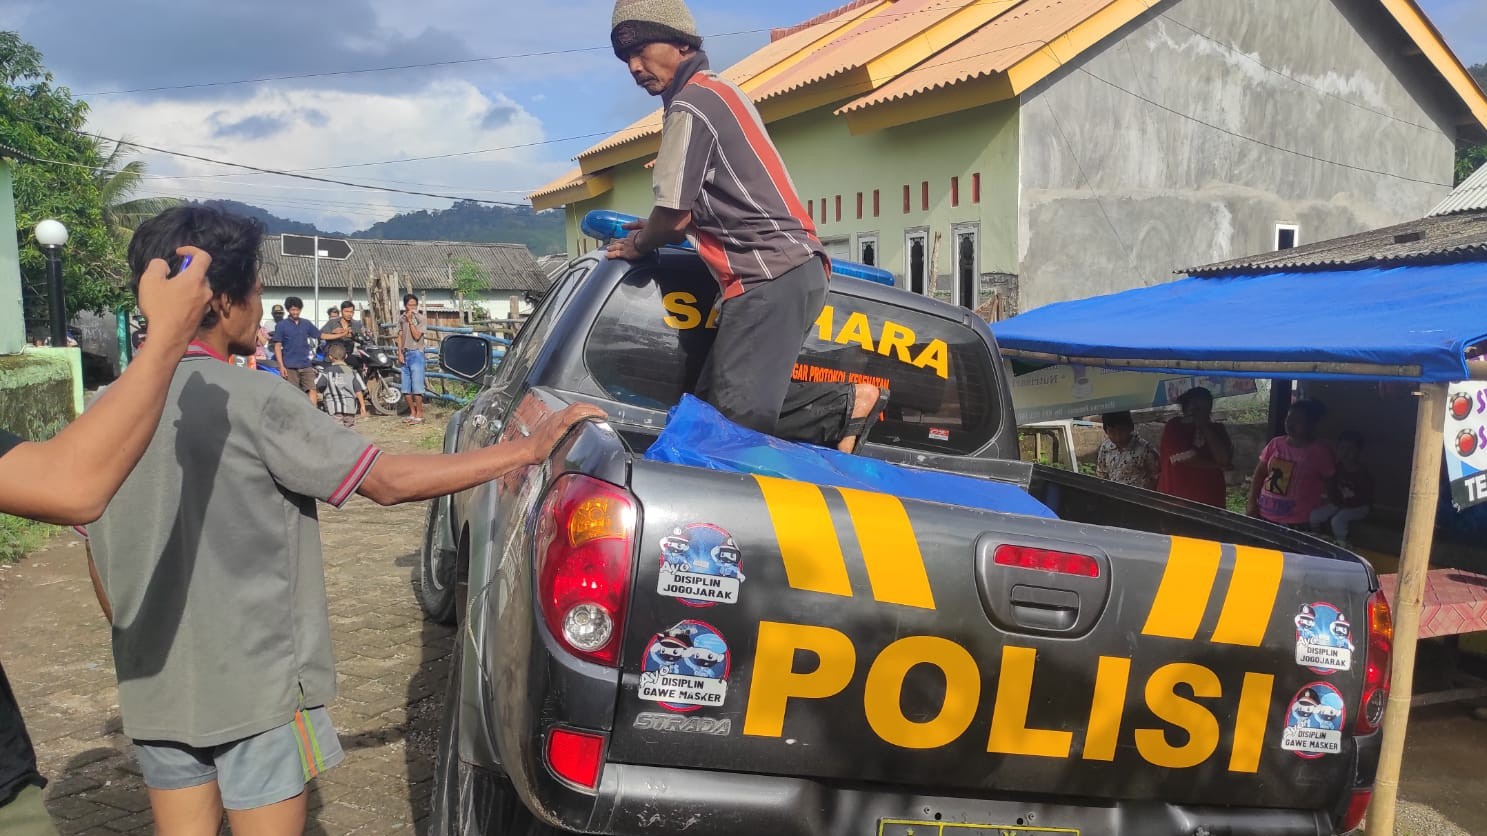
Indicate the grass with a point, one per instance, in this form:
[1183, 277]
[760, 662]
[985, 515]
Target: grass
[19, 537]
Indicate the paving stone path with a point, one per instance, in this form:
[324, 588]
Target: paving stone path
[392, 667]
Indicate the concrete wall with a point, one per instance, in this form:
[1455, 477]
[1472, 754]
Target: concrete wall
[1179, 194]
[828, 164]
[41, 390]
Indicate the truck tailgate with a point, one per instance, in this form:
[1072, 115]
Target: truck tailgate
[783, 628]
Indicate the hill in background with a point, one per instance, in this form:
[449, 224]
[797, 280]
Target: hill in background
[541, 232]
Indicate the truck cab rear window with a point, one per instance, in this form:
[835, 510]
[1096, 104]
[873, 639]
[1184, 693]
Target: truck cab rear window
[647, 347]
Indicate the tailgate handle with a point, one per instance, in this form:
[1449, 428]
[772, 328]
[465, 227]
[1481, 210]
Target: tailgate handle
[1041, 608]
[1030, 599]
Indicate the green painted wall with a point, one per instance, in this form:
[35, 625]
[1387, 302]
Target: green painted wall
[825, 161]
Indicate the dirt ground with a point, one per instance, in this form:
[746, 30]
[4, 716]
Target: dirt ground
[392, 668]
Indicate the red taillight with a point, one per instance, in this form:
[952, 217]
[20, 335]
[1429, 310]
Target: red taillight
[585, 537]
[1357, 806]
[1048, 560]
[1376, 665]
[576, 757]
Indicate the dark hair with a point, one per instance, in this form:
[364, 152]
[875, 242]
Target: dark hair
[409, 297]
[1351, 437]
[336, 351]
[1311, 408]
[1117, 419]
[232, 241]
[348, 304]
[294, 302]
[1196, 392]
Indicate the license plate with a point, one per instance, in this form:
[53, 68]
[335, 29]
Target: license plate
[909, 827]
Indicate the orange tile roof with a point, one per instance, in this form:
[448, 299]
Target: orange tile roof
[869, 38]
[567, 181]
[994, 48]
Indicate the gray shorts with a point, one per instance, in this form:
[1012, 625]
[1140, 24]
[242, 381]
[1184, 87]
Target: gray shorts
[253, 772]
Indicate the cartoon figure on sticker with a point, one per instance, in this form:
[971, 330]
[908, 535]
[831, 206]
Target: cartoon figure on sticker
[701, 566]
[1314, 721]
[1324, 638]
[686, 667]
[668, 652]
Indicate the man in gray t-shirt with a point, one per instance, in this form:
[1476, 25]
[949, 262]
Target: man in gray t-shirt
[209, 565]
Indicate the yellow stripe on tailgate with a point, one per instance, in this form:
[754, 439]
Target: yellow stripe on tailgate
[895, 567]
[1251, 597]
[1192, 566]
[807, 539]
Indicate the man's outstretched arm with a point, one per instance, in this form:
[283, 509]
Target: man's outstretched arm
[396, 479]
[70, 479]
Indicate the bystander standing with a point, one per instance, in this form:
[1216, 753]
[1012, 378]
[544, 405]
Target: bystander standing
[1290, 480]
[341, 387]
[293, 337]
[1195, 452]
[411, 327]
[1124, 456]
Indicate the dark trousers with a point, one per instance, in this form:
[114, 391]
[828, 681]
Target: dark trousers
[747, 374]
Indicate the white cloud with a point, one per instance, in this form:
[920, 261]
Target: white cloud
[305, 129]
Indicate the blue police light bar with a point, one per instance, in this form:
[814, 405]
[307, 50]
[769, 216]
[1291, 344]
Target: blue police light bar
[606, 226]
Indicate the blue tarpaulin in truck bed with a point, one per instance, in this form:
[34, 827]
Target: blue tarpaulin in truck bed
[697, 435]
[1399, 323]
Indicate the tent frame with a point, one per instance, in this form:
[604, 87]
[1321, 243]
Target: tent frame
[1419, 528]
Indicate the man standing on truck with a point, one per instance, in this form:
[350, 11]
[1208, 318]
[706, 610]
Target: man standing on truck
[720, 182]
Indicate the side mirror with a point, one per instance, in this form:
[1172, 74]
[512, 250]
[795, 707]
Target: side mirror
[465, 357]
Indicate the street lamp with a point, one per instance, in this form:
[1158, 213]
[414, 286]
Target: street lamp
[51, 235]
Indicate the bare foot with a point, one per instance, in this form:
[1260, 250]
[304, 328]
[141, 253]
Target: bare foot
[864, 399]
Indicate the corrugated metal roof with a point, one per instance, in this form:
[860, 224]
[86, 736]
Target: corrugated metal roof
[1460, 237]
[423, 265]
[1470, 196]
[994, 48]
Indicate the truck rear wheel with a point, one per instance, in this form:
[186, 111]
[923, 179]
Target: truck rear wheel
[468, 800]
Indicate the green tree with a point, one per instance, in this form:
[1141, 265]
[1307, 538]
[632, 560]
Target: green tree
[56, 179]
[1471, 156]
[118, 181]
[470, 281]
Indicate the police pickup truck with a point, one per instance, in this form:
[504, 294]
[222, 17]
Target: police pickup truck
[646, 648]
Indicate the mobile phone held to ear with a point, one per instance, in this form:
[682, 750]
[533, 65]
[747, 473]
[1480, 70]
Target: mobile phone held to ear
[185, 262]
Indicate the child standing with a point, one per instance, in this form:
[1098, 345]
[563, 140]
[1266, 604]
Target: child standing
[1291, 479]
[342, 388]
[1125, 457]
[1350, 496]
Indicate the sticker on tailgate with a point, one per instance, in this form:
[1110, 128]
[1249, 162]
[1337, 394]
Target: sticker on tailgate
[909, 827]
[1314, 721]
[686, 667]
[701, 565]
[1324, 638]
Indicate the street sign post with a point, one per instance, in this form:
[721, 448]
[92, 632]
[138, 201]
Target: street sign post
[316, 247]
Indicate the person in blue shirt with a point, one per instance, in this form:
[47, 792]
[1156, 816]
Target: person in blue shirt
[293, 338]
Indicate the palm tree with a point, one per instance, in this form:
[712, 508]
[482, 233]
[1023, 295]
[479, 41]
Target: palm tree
[117, 183]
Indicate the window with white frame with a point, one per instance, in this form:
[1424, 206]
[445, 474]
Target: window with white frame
[1287, 236]
[967, 241]
[916, 260]
[867, 249]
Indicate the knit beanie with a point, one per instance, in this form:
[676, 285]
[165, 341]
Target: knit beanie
[640, 22]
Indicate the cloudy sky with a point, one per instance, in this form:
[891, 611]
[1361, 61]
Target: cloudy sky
[527, 85]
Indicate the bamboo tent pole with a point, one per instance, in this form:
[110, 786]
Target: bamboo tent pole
[1419, 532]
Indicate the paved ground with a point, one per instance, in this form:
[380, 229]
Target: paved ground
[392, 669]
[391, 665]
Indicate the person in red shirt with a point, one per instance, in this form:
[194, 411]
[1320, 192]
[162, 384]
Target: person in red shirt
[1195, 452]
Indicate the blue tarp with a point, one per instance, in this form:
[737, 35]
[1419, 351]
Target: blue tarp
[697, 435]
[1408, 323]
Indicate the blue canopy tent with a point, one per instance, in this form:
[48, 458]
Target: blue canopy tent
[1401, 323]
[1408, 323]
